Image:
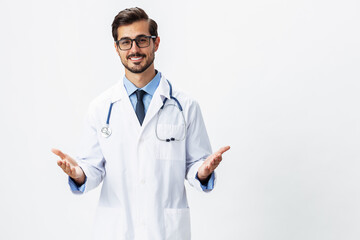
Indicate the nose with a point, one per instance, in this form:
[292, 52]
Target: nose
[134, 47]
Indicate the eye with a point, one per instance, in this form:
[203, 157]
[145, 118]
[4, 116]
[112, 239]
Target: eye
[125, 42]
[142, 40]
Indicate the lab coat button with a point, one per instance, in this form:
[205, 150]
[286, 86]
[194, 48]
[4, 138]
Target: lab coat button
[142, 181]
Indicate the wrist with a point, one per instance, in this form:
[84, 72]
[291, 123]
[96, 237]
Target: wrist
[79, 179]
[203, 179]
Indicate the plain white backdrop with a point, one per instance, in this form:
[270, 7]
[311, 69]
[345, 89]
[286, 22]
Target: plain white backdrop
[277, 80]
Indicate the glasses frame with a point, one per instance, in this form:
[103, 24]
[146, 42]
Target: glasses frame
[134, 40]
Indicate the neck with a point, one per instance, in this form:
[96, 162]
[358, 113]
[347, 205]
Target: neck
[141, 79]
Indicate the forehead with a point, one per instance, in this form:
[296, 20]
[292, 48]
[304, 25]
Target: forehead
[134, 29]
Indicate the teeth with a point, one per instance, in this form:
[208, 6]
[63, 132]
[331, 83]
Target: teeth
[136, 58]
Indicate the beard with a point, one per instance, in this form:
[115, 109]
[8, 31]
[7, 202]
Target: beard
[138, 68]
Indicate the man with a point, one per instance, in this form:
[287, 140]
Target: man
[142, 157]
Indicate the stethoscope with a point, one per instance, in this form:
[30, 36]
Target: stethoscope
[106, 130]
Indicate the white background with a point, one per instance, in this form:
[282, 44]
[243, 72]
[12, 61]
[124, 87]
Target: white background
[276, 80]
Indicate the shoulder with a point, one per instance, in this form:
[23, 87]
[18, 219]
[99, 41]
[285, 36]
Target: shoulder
[184, 97]
[169, 87]
[187, 101]
[190, 106]
[104, 99]
[107, 95]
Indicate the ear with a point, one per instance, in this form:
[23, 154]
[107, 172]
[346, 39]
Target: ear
[117, 49]
[156, 43]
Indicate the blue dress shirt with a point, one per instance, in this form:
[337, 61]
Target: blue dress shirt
[150, 89]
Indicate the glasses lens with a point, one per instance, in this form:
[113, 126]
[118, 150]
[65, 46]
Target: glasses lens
[142, 41]
[125, 44]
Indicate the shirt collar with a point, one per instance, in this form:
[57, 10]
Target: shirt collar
[150, 88]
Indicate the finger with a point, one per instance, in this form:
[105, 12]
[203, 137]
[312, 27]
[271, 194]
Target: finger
[217, 158]
[59, 153]
[65, 167]
[217, 162]
[213, 165]
[61, 164]
[69, 172]
[223, 149]
[68, 167]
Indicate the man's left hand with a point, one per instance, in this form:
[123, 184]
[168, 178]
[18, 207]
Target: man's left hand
[211, 163]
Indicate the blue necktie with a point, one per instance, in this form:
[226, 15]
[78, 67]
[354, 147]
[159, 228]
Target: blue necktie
[140, 109]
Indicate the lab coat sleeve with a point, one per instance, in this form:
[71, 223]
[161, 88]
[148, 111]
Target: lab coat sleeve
[90, 157]
[209, 185]
[75, 188]
[198, 147]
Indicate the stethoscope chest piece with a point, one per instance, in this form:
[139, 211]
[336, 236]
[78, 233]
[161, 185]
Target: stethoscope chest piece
[106, 131]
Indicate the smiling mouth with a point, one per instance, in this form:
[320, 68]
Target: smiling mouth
[136, 59]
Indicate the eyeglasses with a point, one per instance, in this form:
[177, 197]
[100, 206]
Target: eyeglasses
[141, 42]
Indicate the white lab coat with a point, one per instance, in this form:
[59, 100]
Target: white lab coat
[143, 195]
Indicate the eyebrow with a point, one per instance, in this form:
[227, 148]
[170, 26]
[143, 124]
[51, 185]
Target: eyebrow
[140, 35]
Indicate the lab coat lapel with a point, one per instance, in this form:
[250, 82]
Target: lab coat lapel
[160, 94]
[129, 114]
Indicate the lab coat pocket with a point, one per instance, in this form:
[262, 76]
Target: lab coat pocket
[170, 150]
[177, 224]
[109, 224]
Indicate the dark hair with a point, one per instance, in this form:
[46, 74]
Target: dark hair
[129, 16]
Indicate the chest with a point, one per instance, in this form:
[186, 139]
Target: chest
[161, 137]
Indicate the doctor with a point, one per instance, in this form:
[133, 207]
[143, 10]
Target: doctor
[149, 145]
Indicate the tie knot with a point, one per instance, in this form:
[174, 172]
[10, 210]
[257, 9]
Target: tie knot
[139, 94]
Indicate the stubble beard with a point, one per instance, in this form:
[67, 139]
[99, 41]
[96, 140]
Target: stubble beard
[141, 69]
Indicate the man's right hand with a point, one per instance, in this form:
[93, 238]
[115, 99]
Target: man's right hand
[70, 167]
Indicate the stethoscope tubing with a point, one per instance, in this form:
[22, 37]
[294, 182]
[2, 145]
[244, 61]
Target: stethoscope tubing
[106, 131]
[109, 114]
